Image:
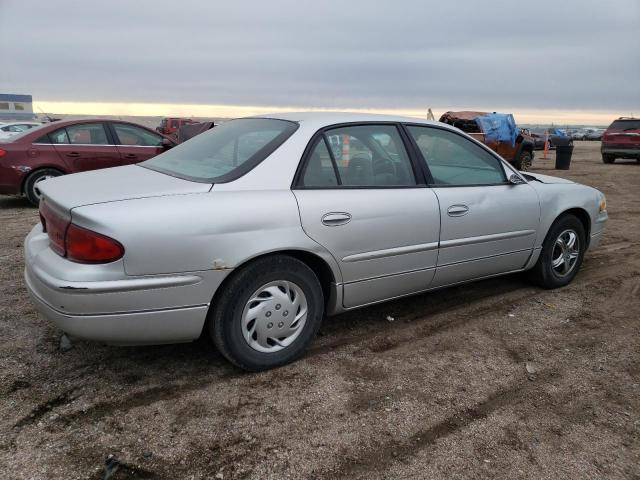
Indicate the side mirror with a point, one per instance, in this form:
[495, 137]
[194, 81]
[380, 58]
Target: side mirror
[515, 180]
[167, 144]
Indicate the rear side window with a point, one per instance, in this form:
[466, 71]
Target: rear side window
[226, 152]
[132, 135]
[368, 156]
[625, 125]
[454, 160]
[59, 136]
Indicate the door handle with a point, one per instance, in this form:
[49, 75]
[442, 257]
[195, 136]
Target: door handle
[333, 219]
[73, 154]
[130, 156]
[457, 210]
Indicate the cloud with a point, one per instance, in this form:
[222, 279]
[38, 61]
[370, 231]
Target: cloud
[330, 54]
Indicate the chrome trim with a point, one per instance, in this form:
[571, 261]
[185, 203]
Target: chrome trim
[111, 286]
[95, 145]
[391, 252]
[457, 242]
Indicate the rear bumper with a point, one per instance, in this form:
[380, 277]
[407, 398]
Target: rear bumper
[621, 151]
[104, 304]
[128, 328]
[11, 178]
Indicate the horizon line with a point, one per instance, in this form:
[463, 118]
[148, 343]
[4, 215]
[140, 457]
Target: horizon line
[144, 109]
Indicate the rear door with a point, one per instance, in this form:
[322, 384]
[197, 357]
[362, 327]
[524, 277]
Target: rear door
[85, 146]
[488, 226]
[135, 144]
[359, 198]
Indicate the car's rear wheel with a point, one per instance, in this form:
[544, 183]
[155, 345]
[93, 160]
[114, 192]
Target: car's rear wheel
[267, 313]
[562, 253]
[608, 158]
[523, 163]
[31, 190]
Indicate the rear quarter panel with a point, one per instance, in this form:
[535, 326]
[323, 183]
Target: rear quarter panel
[206, 231]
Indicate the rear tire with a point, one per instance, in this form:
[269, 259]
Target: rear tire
[31, 184]
[253, 319]
[562, 253]
[523, 163]
[608, 158]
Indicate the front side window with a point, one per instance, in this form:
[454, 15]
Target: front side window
[362, 156]
[87, 134]
[226, 152]
[455, 160]
[132, 135]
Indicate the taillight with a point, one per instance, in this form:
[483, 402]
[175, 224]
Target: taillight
[2, 153]
[87, 246]
[55, 226]
[76, 243]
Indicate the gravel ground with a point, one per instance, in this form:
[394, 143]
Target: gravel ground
[496, 379]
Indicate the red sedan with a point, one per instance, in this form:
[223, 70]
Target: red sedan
[71, 146]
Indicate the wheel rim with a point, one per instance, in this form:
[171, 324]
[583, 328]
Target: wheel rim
[36, 190]
[566, 251]
[274, 316]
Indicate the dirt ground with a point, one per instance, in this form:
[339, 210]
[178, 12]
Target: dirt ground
[496, 379]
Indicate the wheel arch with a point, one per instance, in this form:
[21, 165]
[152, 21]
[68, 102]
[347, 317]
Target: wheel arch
[319, 266]
[38, 169]
[584, 218]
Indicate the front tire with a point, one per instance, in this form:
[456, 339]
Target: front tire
[562, 253]
[608, 158]
[267, 314]
[31, 184]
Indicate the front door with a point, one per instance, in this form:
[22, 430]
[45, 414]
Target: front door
[85, 146]
[136, 144]
[358, 197]
[488, 226]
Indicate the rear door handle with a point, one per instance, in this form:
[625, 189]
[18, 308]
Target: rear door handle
[130, 156]
[333, 219]
[73, 154]
[457, 210]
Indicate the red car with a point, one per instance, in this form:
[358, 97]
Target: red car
[71, 146]
[621, 140]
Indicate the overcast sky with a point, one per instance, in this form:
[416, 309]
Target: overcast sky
[404, 54]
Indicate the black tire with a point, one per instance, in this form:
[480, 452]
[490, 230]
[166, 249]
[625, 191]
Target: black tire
[225, 316]
[523, 163]
[608, 158]
[30, 184]
[543, 274]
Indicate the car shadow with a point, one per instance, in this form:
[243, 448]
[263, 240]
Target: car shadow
[17, 202]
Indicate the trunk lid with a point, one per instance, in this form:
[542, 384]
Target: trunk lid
[114, 184]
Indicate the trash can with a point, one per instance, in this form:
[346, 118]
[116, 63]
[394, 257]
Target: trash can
[564, 150]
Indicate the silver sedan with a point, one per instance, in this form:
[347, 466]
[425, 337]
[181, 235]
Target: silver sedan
[254, 231]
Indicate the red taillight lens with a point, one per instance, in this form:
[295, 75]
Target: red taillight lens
[2, 153]
[86, 246]
[76, 243]
[55, 226]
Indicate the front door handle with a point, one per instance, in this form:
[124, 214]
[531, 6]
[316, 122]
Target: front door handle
[457, 210]
[130, 156]
[333, 219]
[73, 154]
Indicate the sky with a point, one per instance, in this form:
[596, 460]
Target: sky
[571, 61]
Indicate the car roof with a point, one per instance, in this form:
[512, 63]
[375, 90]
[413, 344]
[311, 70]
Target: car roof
[331, 118]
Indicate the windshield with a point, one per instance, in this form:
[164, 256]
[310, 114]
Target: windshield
[225, 152]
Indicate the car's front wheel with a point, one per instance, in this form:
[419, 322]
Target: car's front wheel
[562, 253]
[31, 190]
[608, 158]
[267, 313]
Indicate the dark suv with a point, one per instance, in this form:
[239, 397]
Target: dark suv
[621, 140]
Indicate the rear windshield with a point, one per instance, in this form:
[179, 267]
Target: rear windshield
[625, 125]
[225, 152]
[26, 132]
